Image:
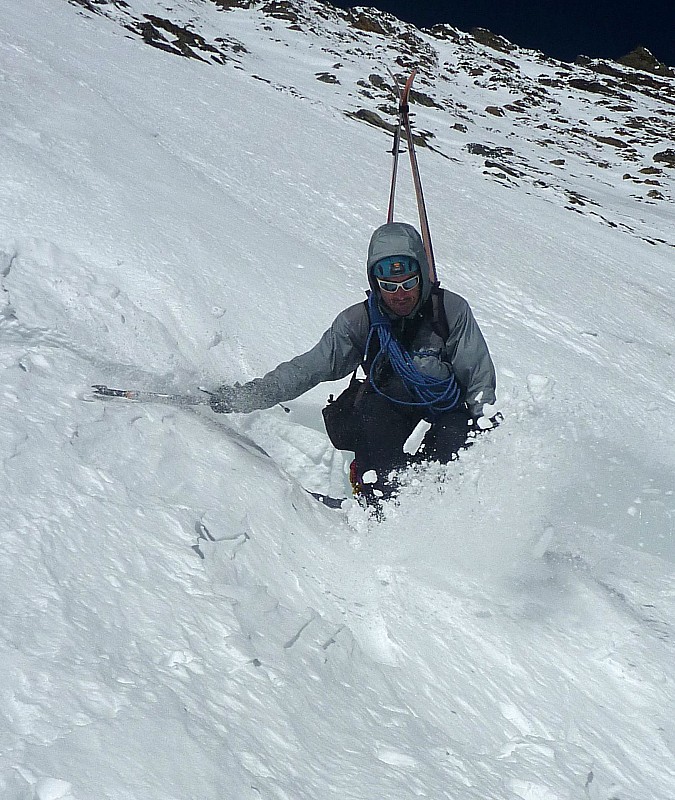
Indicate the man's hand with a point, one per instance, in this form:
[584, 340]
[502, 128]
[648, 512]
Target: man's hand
[223, 400]
[235, 399]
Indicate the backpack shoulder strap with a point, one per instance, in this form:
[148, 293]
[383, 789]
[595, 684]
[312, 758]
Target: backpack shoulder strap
[372, 350]
[439, 320]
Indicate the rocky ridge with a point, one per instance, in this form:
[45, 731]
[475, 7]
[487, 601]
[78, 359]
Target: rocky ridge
[596, 134]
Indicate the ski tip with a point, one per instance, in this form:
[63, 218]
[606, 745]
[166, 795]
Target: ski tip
[331, 502]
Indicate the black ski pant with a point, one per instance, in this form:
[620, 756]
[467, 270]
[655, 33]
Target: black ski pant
[384, 428]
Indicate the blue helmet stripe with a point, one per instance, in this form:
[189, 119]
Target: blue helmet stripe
[395, 266]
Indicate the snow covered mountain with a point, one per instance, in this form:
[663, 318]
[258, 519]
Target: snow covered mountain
[187, 192]
[538, 121]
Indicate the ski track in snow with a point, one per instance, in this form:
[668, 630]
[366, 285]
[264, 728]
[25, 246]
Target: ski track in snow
[180, 619]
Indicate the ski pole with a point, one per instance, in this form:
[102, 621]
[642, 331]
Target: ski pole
[105, 392]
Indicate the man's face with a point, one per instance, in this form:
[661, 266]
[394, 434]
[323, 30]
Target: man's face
[401, 302]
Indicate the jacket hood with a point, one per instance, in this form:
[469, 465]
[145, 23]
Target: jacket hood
[399, 239]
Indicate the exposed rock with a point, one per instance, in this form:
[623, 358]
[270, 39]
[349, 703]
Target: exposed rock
[645, 83]
[593, 112]
[577, 199]
[372, 118]
[388, 109]
[174, 38]
[500, 175]
[420, 138]
[367, 22]
[419, 98]
[380, 83]
[499, 165]
[94, 5]
[444, 31]
[486, 151]
[644, 60]
[493, 40]
[612, 141]
[507, 64]
[228, 5]
[327, 77]
[281, 9]
[666, 157]
[591, 86]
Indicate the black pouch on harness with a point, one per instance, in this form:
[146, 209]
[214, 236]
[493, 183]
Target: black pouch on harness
[341, 417]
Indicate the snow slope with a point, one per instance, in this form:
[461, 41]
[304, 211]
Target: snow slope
[179, 619]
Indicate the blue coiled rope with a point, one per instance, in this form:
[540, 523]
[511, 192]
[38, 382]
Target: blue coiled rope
[438, 396]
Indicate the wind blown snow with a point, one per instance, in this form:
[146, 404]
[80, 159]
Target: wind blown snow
[180, 619]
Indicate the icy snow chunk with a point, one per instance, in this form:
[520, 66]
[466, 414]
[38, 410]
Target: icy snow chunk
[53, 789]
[370, 476]
[513, 714]
[540, 387]
[528, 790]
[413, 442]
[396, 758]
[544, 542]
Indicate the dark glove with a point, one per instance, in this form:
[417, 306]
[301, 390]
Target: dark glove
[234, 399]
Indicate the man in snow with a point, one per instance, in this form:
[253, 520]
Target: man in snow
[422, 351]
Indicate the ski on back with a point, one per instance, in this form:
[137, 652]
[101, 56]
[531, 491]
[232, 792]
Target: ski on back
[404, 123]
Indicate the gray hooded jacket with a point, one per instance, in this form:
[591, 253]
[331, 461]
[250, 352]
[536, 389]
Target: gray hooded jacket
[342, 347]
